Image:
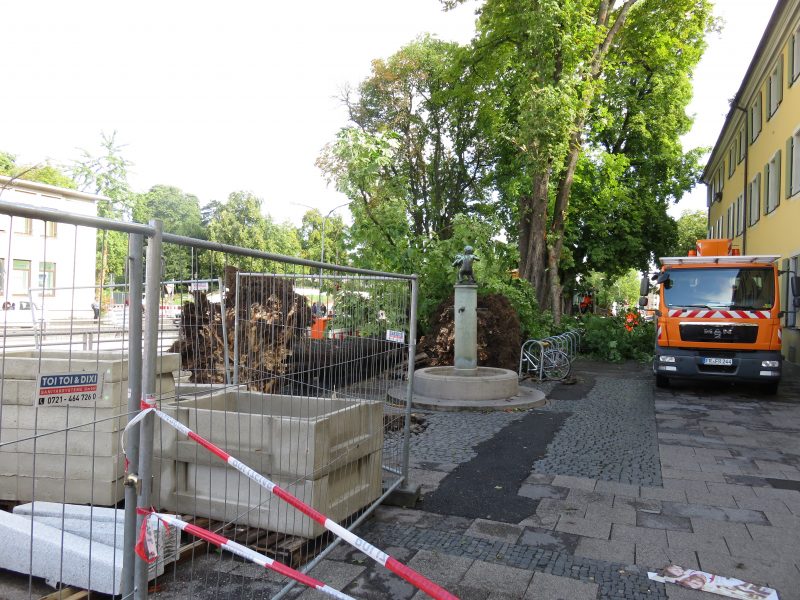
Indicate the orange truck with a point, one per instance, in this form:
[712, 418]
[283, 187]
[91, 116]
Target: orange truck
[718, 317]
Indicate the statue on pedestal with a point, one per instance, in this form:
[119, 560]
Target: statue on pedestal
[464, 261]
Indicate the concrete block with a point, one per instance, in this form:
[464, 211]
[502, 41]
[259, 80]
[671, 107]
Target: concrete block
[222, 493]
[277, 434]
[24, 364]
[114, 393]
[104, 468]
[77, 442]
[53, 418]
[75, 491]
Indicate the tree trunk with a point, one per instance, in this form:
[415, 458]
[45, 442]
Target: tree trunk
[533, 240]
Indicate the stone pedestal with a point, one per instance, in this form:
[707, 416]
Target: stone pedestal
[466, 324]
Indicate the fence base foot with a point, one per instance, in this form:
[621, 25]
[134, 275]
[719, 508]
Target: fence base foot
[405, 496]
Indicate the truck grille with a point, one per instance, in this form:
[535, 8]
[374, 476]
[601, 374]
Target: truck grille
[721, 333]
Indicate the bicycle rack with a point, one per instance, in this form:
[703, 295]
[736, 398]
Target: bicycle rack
[532, 351]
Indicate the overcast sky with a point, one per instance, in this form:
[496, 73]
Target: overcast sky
[217, 97]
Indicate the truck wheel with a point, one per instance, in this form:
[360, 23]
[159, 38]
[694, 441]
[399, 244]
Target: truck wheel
[770, 389]
[662, 381]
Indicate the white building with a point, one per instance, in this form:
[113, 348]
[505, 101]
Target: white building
[47, 269]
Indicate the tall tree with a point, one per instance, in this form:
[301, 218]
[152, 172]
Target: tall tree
[336, 236]
[692, 226]
[106, 174]
[180, 214]
[240, 222]
[413, 156]
[544, 66]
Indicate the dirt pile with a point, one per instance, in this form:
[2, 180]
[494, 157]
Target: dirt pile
[499, 335]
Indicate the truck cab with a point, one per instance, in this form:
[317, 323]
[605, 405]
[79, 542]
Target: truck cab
[718, 317]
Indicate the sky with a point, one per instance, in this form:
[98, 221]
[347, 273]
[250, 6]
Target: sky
[243, 95]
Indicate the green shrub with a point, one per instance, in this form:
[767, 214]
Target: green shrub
[606, 338]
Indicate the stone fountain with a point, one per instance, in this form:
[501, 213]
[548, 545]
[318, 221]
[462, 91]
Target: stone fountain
[465, 385]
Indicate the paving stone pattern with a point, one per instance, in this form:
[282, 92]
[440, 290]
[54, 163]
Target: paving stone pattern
[610, 435]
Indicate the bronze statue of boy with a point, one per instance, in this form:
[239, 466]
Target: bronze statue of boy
[464, 261]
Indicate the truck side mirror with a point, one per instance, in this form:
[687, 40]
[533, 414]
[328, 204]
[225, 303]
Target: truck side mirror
[662, 278]
[644, 286]
[643, 301]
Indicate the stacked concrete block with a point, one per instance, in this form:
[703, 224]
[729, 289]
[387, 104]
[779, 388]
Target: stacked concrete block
[73, 545]
[325, 451]
[68, 453]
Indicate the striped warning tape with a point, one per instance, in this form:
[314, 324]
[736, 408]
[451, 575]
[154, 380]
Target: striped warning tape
[248, 554]
[416, 579]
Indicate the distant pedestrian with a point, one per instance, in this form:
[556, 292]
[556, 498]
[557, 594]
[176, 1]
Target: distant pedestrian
[314, 310]
[322, 310]
[96, 310]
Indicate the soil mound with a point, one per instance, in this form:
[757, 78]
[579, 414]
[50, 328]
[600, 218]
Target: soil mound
[499, 335]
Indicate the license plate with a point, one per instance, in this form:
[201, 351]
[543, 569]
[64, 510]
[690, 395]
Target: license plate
[723, 362]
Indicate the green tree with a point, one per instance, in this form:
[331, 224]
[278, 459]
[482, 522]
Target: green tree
[106, 174]
[180, 214]
[692, 226]
[240, 222]
[41, 173]
[413, 157]
[336, 237]
[547, 70]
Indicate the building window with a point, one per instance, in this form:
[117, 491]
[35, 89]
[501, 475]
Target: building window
[2, 276]
[754, 194]
[793, 164]
[21, 277]
[47, 278]
[775, 88]
[721, 177]
[794, 56]
[742, 145]
[50, 229]
[23, 225]
[720, 222]
[791, 310]
[772, 181]
[755, 119]
[729, 222]
[731, 162]
[740, 214]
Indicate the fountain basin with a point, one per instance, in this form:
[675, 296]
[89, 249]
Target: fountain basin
[481, 383]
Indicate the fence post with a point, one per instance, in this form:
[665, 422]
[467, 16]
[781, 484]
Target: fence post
[152, 286]
[224, 331]
[412, 353]
[236, 332]
[135, 273]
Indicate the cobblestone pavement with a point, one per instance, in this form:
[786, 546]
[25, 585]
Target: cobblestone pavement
[635, 478]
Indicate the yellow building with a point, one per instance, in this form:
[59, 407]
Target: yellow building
[753, 175]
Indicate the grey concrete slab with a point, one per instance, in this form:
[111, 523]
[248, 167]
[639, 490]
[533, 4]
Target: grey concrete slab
[537, 491]
[692, 475]
[569, 481]
[593, 528]
[695, 542]
[614, 551]
[497, 578]
[554, 541]
[663, 493]
[617, 489]
[540, 521]
[713, 512]
[676, 592]
[739, 492]
[656, 537]
[495, 530]
[750, 569]
[624, 513]
[552, 506]
[541, 478]
[712, 529]
[444, 569]
[335, 574]
[711, 499]
[654, 521]
[685, 485]
[657, 556]
[638, 504]
[552, 587]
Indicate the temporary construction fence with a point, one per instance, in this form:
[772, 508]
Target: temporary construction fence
[275, 365]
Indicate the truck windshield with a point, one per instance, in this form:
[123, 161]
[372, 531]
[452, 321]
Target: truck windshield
[714, 287]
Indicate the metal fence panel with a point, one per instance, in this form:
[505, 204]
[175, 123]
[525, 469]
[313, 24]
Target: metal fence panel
[283, 363]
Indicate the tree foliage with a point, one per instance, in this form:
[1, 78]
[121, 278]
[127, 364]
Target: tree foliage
[41, 173]
[570, 83]
[240, 222]
[180, 214]
[692, 226]
[336, 237]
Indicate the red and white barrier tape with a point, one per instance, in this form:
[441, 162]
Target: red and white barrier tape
[246, 553]
[416, 579]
